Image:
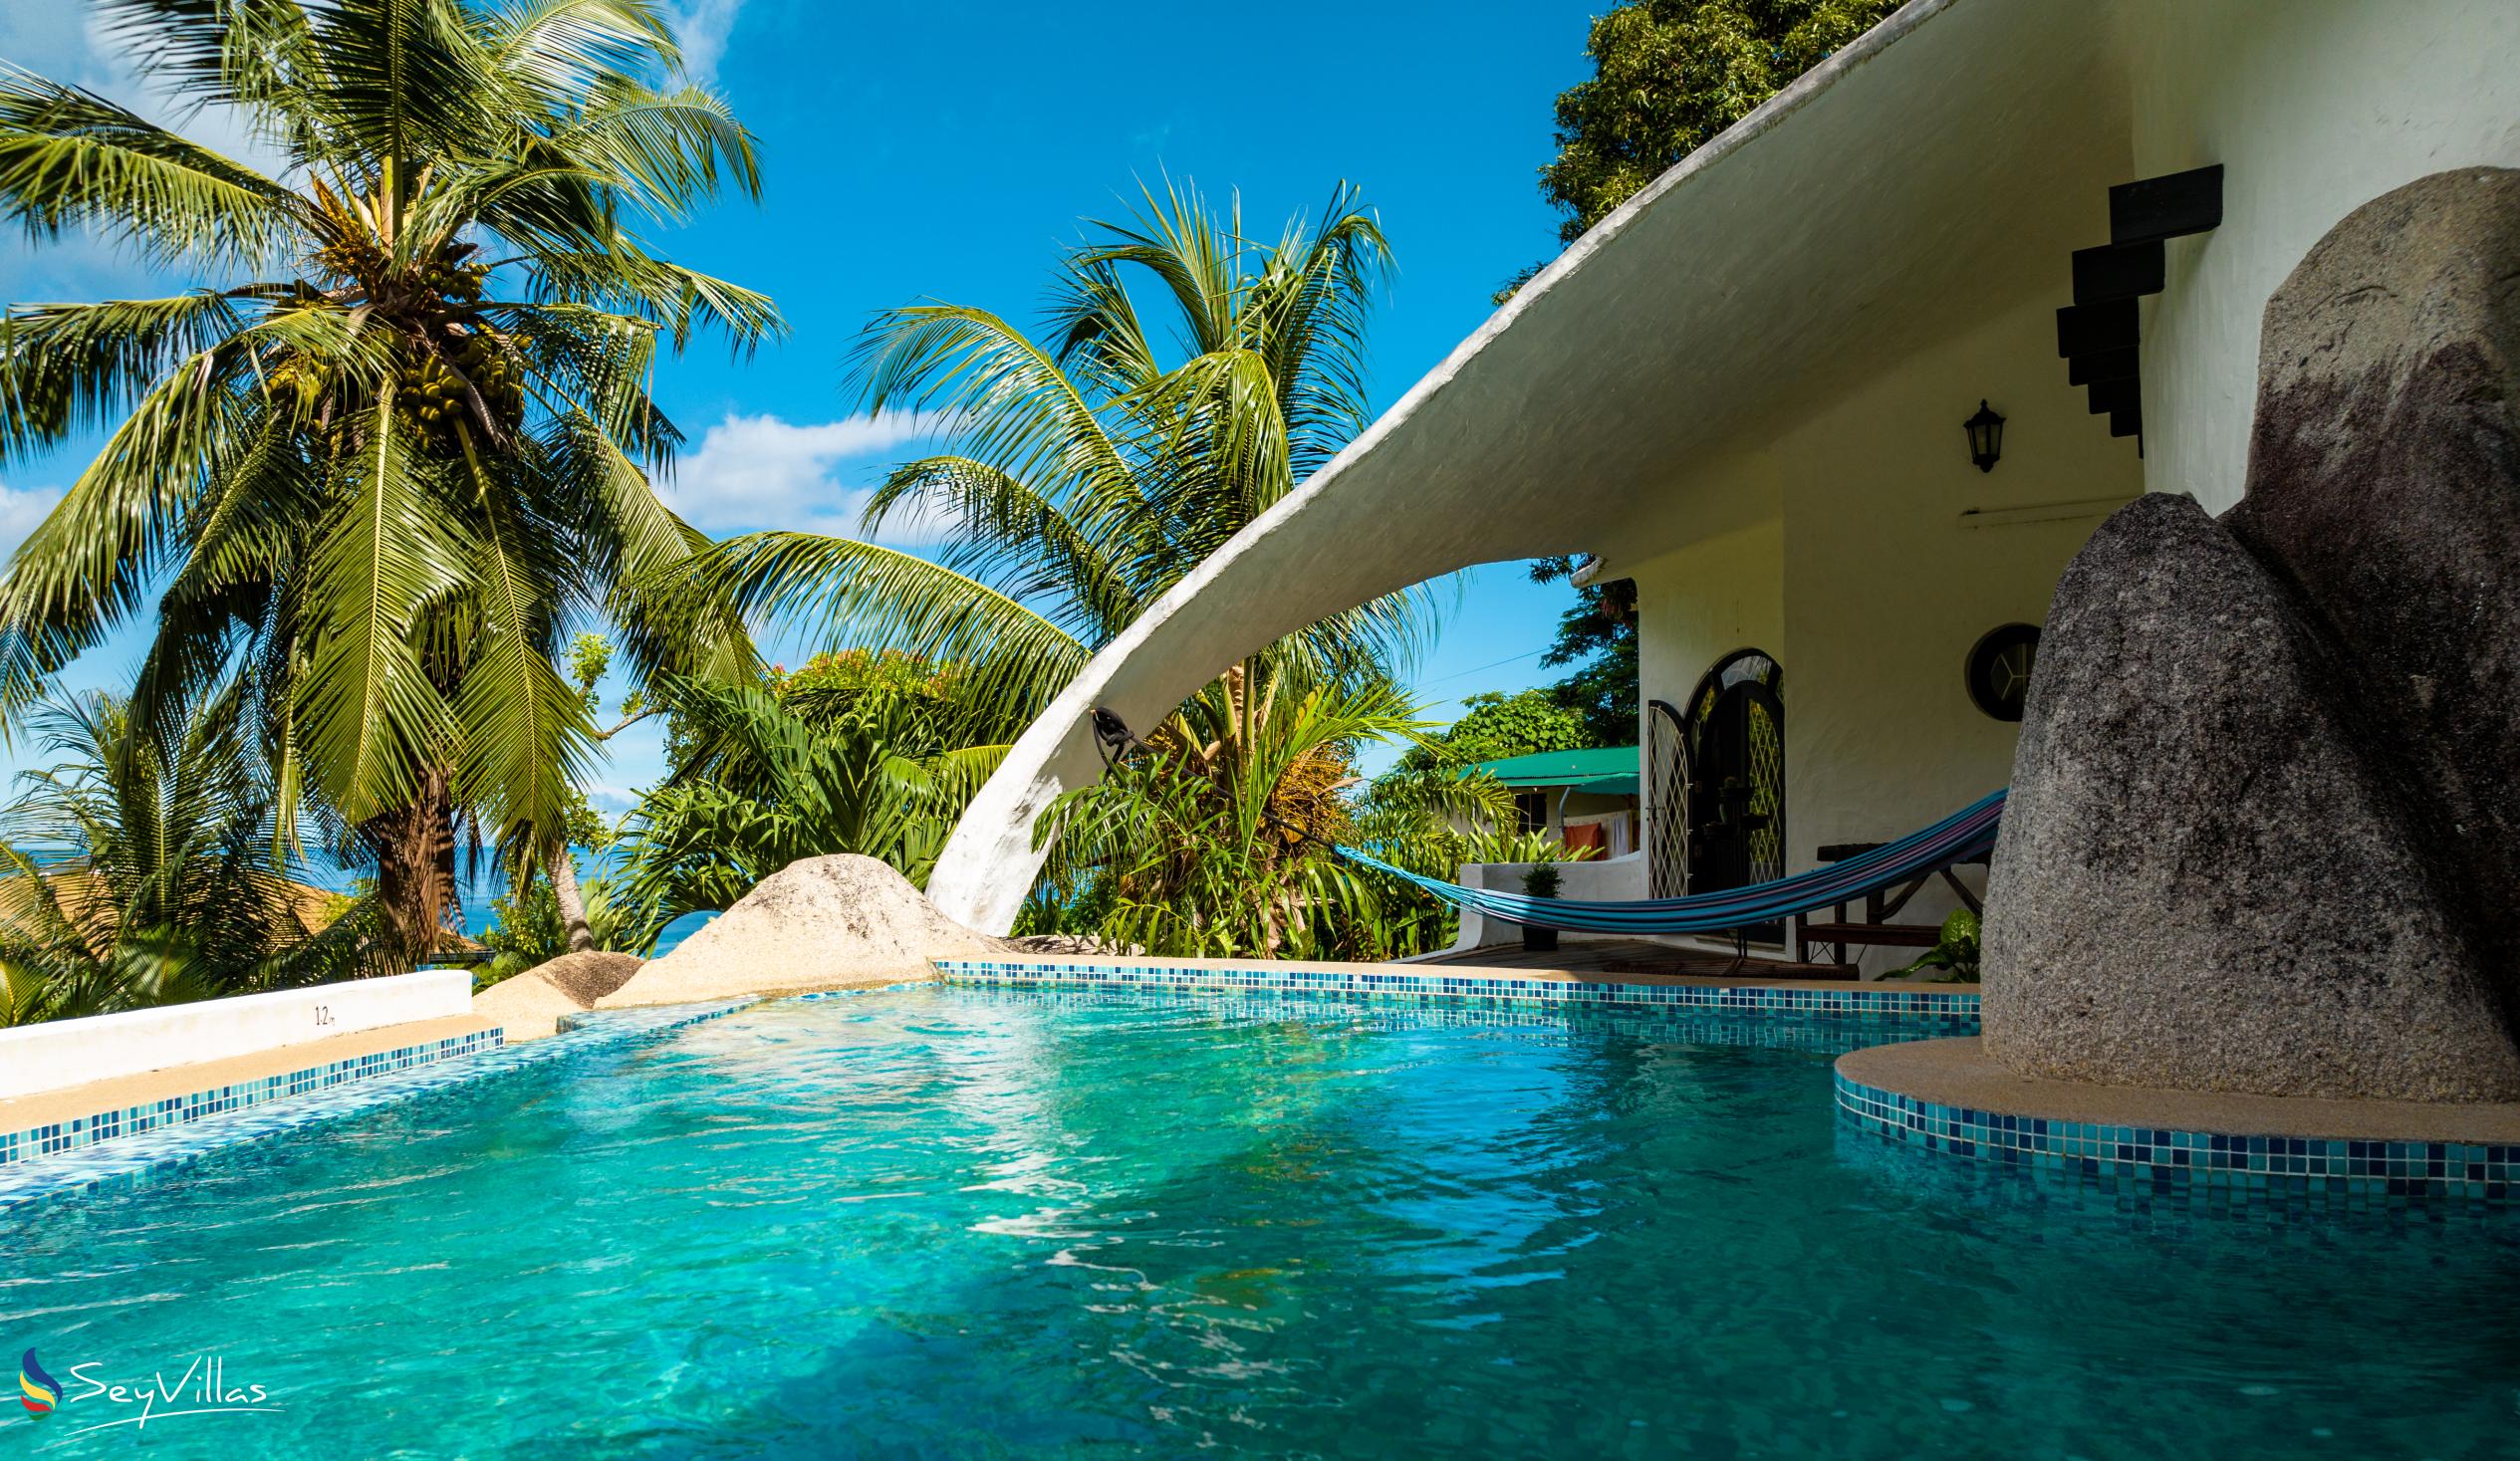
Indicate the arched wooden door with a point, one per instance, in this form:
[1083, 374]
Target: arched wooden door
[1735, 738]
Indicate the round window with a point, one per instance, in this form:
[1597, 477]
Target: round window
[1999, 671]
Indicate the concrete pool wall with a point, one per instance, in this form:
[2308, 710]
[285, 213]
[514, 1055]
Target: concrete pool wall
[64, 1053]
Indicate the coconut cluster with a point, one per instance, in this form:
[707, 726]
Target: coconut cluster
[448, 277]
[432, 389]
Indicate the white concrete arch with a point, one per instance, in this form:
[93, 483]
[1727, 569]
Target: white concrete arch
[1684, 331]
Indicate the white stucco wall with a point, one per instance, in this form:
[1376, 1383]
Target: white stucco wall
[1885, 590]
[1703, 601]
[2314, 108]
[1869, 586]
[66, 1052]
[1598, 880]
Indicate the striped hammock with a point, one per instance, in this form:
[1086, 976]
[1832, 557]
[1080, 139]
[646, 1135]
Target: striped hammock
[1965, 834]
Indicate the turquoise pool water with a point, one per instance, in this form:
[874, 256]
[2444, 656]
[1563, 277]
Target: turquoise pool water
[950, 1223]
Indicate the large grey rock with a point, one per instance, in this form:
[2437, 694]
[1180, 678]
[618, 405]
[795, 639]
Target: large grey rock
[817, 924]
[2204, 881]
[2385, 483]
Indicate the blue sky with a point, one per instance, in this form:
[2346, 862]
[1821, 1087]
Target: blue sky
[947, 149]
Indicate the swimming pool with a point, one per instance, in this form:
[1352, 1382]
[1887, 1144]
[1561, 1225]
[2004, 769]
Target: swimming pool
[946, 1221]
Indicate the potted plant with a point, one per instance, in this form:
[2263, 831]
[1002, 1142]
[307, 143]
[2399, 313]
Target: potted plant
[1956, 955]
[1539, 882]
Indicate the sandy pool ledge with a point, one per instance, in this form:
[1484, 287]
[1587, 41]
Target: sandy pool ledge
[61, 1107]
[1958, 1074]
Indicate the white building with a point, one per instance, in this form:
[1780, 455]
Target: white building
[1745, 388]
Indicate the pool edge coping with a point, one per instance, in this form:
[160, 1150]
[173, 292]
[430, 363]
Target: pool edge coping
[126, 1159]
[1473, 987]
[2184, 1158]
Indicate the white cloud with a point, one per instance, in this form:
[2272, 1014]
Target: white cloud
[21, 509]
[702, 26]
[762, 472]
[65, 44]
[614, 801]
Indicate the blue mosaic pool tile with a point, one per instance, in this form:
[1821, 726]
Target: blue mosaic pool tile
[1503, 991]
[2206, 1164]
[207, 1122]
[175, 1110]
[1668, 1025]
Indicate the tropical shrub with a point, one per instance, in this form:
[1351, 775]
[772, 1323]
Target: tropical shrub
[1216, 838]
[147, 867]
[1495, 726]
[854, 756]
[1416, 820]
[1955, 952]
[527, 929]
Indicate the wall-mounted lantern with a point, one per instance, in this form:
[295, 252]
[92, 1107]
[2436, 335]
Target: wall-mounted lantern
[1986, 437]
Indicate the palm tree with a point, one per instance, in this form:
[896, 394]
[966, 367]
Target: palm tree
[389, 464]
[1096, 467]
[1200, 845]
[138, 867]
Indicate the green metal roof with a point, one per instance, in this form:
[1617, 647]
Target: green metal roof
[1568, 769]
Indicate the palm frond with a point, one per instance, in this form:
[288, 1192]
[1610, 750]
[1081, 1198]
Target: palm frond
[371, 718]
[524, 734]
[878, 598]
[70, 158]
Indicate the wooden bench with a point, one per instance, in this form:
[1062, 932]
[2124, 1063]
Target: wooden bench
[1842, 935]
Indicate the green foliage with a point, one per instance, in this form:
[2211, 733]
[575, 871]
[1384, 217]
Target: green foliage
[527, 928]
[589, 655]
[137, 867]
[1669, 74]
[403, 437]
[944, 705]
[1542, 881]
[1598, 635]
[1495, 726]
[1522, 847]
[847, 674]
[1955, 954]
[1216, 841]
[1404, 819]
[833, 761]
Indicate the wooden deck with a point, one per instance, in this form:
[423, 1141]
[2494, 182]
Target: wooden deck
[1638, 956]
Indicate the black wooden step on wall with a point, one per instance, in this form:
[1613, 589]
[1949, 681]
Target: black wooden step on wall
[2099, 335]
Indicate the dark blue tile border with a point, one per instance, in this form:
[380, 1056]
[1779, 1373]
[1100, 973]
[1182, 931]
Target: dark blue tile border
[2204, 1164]
[133, 1156]
[57, 1137]
[1385, 982]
